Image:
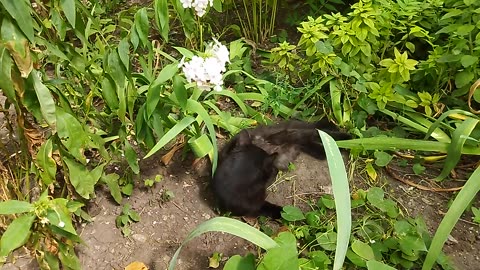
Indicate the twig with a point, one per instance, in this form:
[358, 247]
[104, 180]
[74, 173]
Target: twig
[461, 219]
[421, 187]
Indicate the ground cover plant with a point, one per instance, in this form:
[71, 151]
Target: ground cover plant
[90, 87]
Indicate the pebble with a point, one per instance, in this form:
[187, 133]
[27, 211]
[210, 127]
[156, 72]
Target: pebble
[139, 238]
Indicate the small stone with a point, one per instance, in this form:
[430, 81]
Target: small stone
[139, 238]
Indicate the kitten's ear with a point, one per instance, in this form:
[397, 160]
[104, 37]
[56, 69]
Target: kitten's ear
[243, 138]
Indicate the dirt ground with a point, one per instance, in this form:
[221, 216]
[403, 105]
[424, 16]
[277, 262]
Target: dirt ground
[164, 225]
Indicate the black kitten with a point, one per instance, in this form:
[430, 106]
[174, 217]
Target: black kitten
[252, 158]
[241, 179]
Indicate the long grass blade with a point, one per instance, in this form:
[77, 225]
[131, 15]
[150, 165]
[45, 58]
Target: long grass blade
[171, 134]
[454, 151]
[341, 194]
[393, 144]
[231, 226]
[461, 202]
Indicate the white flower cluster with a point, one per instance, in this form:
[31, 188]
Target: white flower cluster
[199, 5]
[207, 71]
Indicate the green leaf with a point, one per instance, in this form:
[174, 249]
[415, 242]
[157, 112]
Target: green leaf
[131, 157]
[418, 168]
[382, 158]
[109, 93]
[6, 84]
[166, 74]
[47, 105]
[68, 7]
[20, 11]
[81, 178]
[375, 265]
[363, 250]
[468, 60]
[59, 216]
[16, 234]
[465, 29]
[292, 213]
[231, 226]
[238, 262]
[15, 207]
[123, 53]
[454, 152]
[162, 18]
[200, 146]
[141, 25]
[461, 202]
[48, 166]
[282, 257]
[410, 245]
[180, 91]
[171, 134]
[336, 96]
[127, 189]
[71, 134]
[464, 78]
[341, 194]
[327, 241]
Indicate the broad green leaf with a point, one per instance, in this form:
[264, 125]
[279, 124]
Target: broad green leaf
[327, 241]
[461, 202]
[123, 53]
[81, 178]
[196, 107]
[20, 11]
[180, 91]
[71, 134]
[292, 213]
[171, 134]
[363, 250]
[131, 157]
[235, 97]
[142, 25]
[109, 93]
[375, 265]
[231, 226]
[336, 96]
[382, 158]
[341, 194]
[60, 217]
[18, 46]
[112, 182]
[465, 29]
[6, 84]
[44, 159]
[464, 78]
[454, 152]
[166, 73]
[282, 257]
[238, 262]
[468, 60]
[16, 234]
[68, 257]
[200, 146]
[15, 207]
[68, 7]
[47, 104]
[161, 17]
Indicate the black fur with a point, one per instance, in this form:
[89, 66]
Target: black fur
[252, 158]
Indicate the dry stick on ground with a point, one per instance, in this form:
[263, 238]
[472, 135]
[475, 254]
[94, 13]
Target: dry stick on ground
[421, 187]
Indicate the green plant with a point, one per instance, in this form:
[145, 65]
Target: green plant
[149, 182]
[45, 226]
[476, 214]
[126, 218]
